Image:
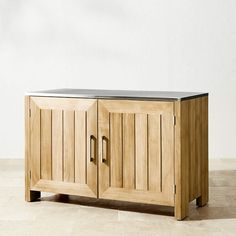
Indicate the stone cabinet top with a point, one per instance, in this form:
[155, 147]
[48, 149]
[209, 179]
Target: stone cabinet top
[117, 94]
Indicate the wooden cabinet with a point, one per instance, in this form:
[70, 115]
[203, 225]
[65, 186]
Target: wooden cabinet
[151, 151]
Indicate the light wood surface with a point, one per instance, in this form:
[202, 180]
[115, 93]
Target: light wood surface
[191, 154]
[139, 151]
[155, 152]
[92, 131]
[30, 195]
[69, 144]
[128, 150]
[132, 130]
[80, 147]
[57, 145]
[204, 180]
[46, 144]
[116, 147]
[59, 139]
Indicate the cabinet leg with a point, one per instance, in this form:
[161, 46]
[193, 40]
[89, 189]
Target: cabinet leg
[202, 201]
[31, 195]
[181, 212]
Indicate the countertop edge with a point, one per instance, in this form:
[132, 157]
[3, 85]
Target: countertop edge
[115, 97]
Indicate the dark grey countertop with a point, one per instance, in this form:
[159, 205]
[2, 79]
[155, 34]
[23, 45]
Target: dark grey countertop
[116, 94]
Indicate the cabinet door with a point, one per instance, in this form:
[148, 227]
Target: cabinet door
[63, 152]
[136, 151]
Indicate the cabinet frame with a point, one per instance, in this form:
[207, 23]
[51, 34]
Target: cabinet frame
[190, 155]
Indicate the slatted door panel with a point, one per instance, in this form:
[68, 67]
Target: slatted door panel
[138, 164]
[61, 131]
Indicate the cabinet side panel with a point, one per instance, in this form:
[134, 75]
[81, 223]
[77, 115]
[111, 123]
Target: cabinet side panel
[27, 150]
[181, 160]
[35, 140]
[192, 155]
[196, 116]
[198, 149]
[204, 160]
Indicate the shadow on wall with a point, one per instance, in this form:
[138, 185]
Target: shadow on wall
[222, 203]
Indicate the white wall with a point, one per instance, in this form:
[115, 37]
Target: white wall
[184, 45]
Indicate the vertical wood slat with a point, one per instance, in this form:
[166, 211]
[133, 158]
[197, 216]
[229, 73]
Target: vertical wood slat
[141, 151]
[57, 145]
[116, 149]
[154, 152]
[92, 130]
[27, 148]
[69, 151]
[167, 166]
[204, 161]
[103, 130]
[128, 150]
[80, 147]
[203, 199]
[46, 144]
[193, 160]
[181, 160]
[35, 143]
[198, 145]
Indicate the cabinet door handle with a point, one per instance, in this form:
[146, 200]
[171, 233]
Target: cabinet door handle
[104, 150]
[92, 148]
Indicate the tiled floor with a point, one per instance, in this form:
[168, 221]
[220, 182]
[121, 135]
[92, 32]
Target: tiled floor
[60, 215]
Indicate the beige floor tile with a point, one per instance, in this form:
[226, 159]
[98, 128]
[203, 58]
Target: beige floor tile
[63, 215]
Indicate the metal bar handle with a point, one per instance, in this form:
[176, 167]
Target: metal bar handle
[104, 150]
[92, 148]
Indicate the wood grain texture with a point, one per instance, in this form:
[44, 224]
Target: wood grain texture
[30, 195]
[92, 131]
[46, 144]
[204, 197]
[133, 195]
[64, 188]
[191, 154]
[103, 131]
[193, 157]
[59, 132]
[128, 150]
[80, 147]
[167, 143]
[116, 157]
[57, 145]
[35, 150]
[134, 140]
[146, 153]
[66, 104]
[154, 154]
[131, 106]
[69, 146]
[181, 163]
[141, 161]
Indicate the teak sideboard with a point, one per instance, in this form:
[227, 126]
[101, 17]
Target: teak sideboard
[136, 146]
